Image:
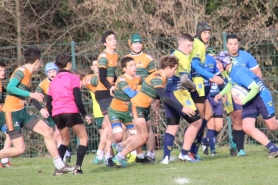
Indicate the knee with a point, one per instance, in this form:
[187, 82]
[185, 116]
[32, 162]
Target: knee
[49, 132]
[21, 149]
[273, 127]
[144, 138]
[247, 129]
[197, 124]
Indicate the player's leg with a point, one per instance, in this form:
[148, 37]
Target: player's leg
[7, 144]
[80, 131]
[151, 144]
[101, 145]
[115, 118]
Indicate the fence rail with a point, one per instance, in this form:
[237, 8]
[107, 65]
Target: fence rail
[262, 45]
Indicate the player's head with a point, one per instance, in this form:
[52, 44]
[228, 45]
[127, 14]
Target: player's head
[223, 59]
[211, 51]
[129, 66]
[135, 43]
[233, 43]
[203, 32]
[32, 55]
[109, 40]
[185, 42]
[50, 70]
[63, 61]
[169, 65]
[94, 65]
[2, 70]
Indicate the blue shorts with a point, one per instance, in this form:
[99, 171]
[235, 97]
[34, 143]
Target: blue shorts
[217, 108]
[183, 98]
[257, 106]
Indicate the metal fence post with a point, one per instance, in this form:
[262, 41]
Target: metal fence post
[73, 55]
[224, 37]
[72, 44]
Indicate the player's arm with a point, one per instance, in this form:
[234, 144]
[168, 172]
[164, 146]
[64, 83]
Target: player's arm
[123, 85]
[35, 102]
[49, 104]
[151, 66]
[254, 90]
[12, 85]
[103, 63]
[253, 65]
[258, 72]
[161, 93]
[227, 89]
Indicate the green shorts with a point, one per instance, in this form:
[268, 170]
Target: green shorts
[99, 122]
[49, 121]
[118, 116]
[139, 112]
[18, 119]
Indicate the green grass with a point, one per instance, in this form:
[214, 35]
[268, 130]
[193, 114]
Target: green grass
[253, 169]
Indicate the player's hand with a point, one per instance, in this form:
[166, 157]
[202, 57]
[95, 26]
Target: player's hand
[112, 91]
[237, 100]
[217, 97]
[88, 119]
[44, 113]
[187, 110]
[37, 96]
[224, 98]
[218, 80]
[155, 105]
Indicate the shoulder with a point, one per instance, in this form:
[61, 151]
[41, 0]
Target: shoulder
[122, 78]
[102, 55]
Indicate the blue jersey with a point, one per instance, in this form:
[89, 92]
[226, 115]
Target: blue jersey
[243, 77]
[245, 59]
[210, 66]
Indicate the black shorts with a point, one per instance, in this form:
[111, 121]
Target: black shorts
[67, 120]
[104, 104]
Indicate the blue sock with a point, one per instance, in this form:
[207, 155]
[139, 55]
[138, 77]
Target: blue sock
[211, 139]
[271, 147]
[184, 152]
[168, 144]
[205, 140]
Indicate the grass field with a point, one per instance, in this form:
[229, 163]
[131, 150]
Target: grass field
[253, 169]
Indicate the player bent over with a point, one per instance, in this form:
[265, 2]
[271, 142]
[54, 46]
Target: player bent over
[15, 114]
[152, 87]
[257, 101]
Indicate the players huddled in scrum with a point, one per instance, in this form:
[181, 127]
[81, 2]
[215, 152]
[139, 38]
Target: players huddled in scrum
[187, 82]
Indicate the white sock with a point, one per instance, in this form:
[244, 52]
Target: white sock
[120, 156]
[100, 154]
[151, 154]
[58, 163]
[67, 154]
[120, 147]
[107, 156]
[4, 160]
[141, 156]
[134, 152]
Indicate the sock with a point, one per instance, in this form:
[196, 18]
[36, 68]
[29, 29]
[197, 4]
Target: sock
[67, 154]
[141, 156]
[107, 156]
[271, 147]
[133, 152]
[4, 160]
[62, 150]
[211, 139]
[238, 137]
[58, 163]
[168, 144]
[100, 154]
[120, 147]
[120, 156]
[184, 152]
[81, 151]
[205, 140]
[151, 154]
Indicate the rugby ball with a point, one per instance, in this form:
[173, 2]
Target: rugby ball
[238, 91]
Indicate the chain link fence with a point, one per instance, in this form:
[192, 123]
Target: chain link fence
[262, 45]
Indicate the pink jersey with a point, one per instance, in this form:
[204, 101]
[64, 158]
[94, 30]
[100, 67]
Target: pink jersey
[61, 90]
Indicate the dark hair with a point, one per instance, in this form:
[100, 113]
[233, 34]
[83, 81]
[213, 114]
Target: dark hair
[106, 34]
[232, 36]
[79, 73]
[125, 60]
[31, 54]
[186, 36]
[62, 60]
[92, 59]
[2, 64]
[170, 61]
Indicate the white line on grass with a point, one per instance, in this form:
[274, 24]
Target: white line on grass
[182, 181]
